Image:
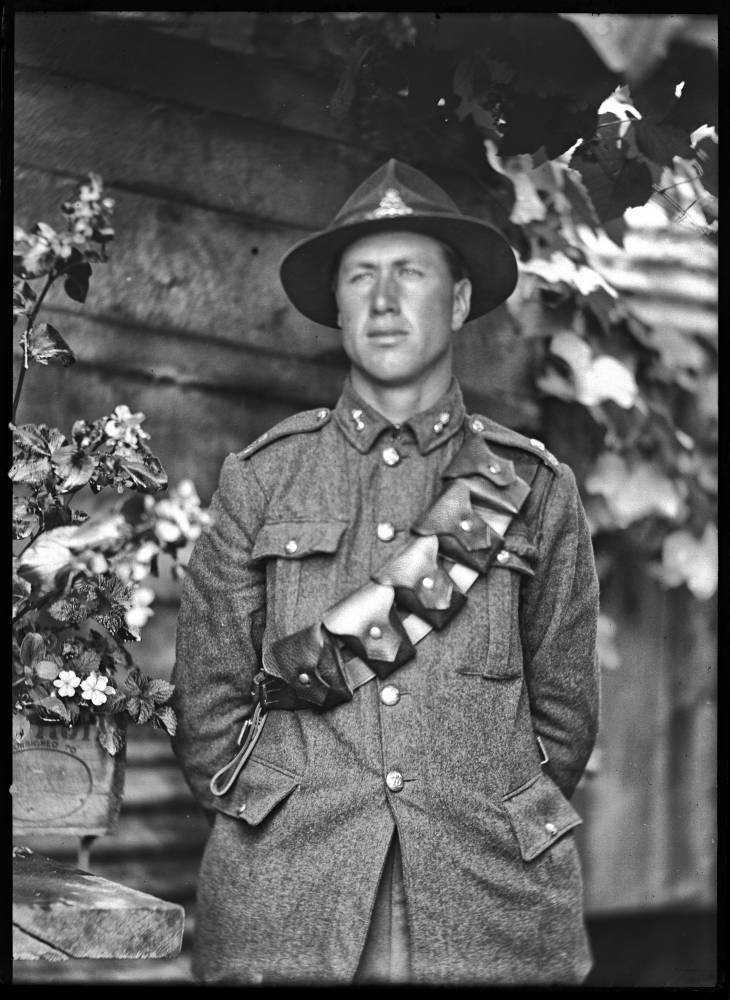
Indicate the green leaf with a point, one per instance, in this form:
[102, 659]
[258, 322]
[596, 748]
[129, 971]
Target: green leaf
[46, 345]
[20, 728]
[146, 711]
[110, 735]
[613, 183]
[33, 470]
[159, 691]
[133, 706]
[147, 476]
[98, 532]
[165, 718]
[634, 492]
[47, 669]
[24, 298]
[74, 466]
[54, 707]
[706, 154]
[693, 561]
[76, 284]
[47, 559]
[25, 518]
[36, 438]
[21, 593]
[87, 661]
[661, 143]
[32, 648]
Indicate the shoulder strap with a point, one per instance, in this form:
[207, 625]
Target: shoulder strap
[299, 423]
[491, 431]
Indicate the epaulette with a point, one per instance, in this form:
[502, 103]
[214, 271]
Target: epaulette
[492, 431]
[298, 423]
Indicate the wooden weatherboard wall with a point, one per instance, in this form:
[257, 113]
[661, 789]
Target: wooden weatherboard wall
[215, 176]
[219, 160]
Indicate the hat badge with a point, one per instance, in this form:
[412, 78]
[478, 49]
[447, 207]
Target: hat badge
[391, 205]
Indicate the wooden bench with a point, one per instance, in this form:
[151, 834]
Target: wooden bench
[62, 912]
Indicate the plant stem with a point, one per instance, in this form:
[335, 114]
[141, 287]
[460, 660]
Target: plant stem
[29, 326]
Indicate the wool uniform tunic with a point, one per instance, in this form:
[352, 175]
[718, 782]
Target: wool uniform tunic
[449, 749]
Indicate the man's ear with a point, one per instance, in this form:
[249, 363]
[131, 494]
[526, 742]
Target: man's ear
[461, 304]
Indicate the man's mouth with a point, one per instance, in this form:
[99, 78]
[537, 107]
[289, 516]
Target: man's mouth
[387, 336]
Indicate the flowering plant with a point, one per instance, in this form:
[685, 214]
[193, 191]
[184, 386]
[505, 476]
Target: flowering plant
[73, 571]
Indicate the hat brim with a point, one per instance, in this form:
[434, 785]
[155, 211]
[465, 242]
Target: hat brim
[307, 269]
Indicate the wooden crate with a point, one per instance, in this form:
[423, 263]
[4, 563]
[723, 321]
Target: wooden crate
[65, 782]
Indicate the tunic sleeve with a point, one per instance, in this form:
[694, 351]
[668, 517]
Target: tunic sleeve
[220, 624]
[558, 623]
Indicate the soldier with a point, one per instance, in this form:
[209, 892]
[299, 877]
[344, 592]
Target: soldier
[386, 675]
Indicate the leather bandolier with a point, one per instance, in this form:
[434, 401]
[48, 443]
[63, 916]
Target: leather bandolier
[375, 629]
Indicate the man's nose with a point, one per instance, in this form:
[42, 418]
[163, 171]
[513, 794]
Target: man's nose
[385, 294]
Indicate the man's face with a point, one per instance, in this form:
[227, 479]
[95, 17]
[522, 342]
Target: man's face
[398, 308]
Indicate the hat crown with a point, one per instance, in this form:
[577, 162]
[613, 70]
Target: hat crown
[393, 190]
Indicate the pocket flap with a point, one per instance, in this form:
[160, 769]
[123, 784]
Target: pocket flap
[521, 554]
[260, 788]
[539, 814]
[297, 539]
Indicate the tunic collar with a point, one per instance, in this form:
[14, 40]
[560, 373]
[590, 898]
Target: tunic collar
[362, 425]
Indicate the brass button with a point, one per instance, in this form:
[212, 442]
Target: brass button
[445, 417]
[322, 414]
[477, 425]
[427, 583]
[551, 828]
[304, 679]
[394, 781]
[503, 557]
[494, 469]
[391, 456]
[375, 632]
[291, 546]
[390, 695]
[465, 525]
[438, 427]
[385, 531]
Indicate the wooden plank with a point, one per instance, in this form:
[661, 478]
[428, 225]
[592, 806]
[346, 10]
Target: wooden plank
[205, 158]
[140, 834]
[85, 916]
[192, 361]
[650, 831]
[141, 972]
[27, 947]
[135, 58]
[189, 269]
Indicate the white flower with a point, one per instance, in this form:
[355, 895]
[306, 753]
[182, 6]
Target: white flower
[139, 614]
[67, 682]
[125, 426]
[186, 490]
[96, 688]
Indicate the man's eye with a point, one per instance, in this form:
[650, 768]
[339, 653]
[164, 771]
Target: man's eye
[360, 276]
[411, 271]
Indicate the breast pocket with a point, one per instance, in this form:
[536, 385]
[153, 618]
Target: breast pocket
[301, 569]
[502, 659]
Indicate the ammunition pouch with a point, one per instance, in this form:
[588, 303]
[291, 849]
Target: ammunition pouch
[374, 630]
